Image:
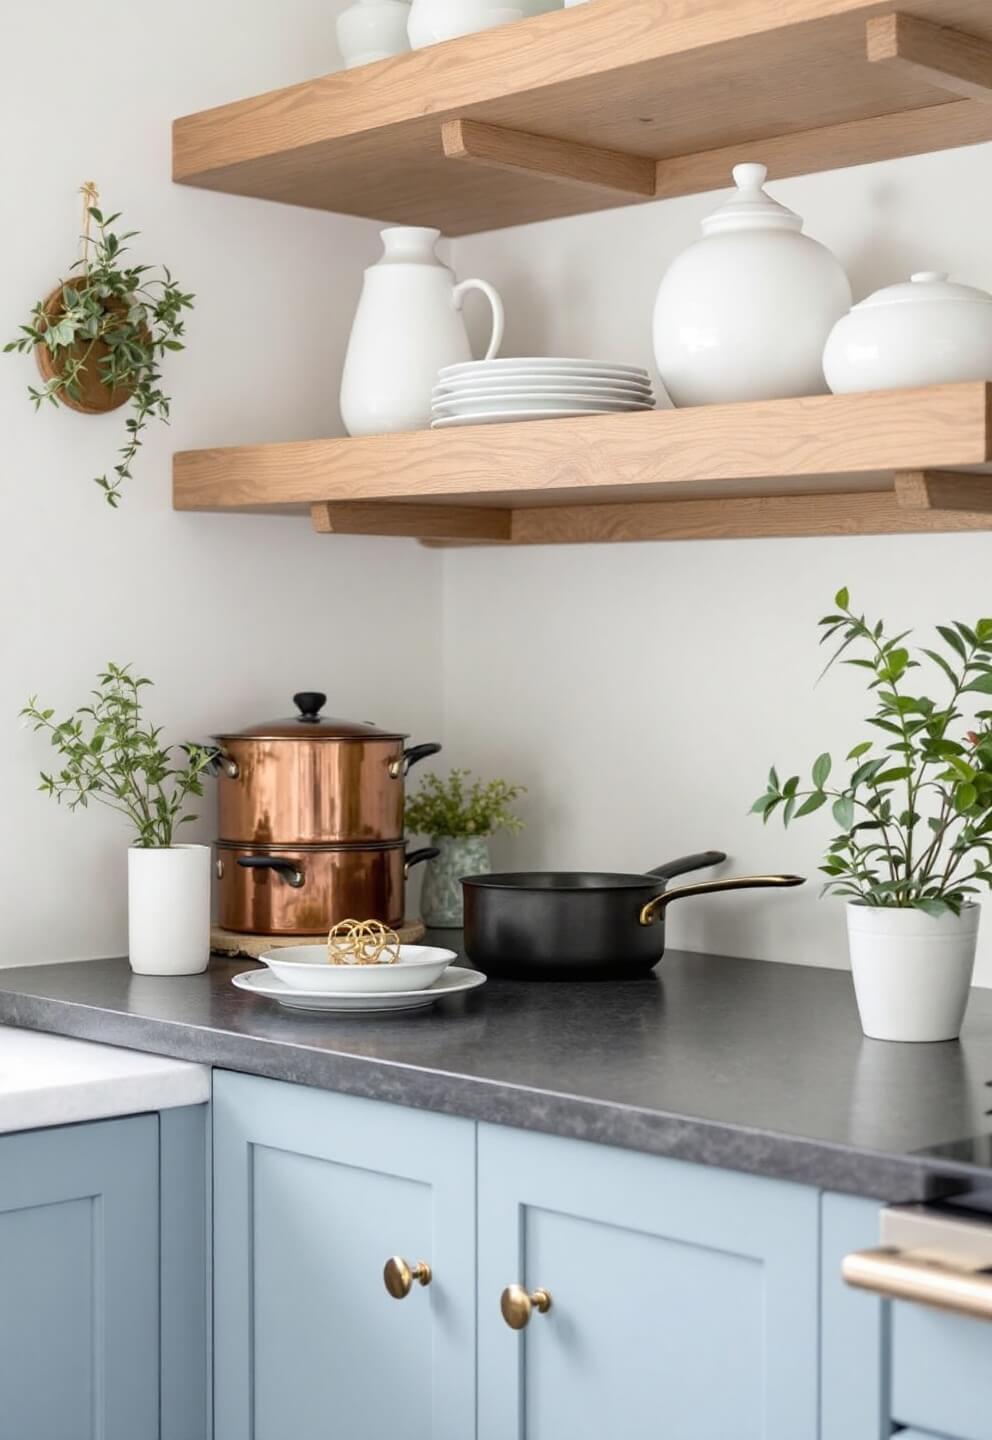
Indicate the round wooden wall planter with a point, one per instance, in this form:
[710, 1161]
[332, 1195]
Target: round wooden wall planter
[94, 397]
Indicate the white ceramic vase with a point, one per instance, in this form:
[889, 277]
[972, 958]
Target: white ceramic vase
[372, 30]
[925, 331]
[408, 325]
[912, 971]
[432, 21]
[744, 313]
[169, 909]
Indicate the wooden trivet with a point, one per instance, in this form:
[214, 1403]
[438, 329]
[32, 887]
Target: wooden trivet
[250, 947]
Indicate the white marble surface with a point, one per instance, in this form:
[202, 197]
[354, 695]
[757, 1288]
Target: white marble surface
[52, 1080]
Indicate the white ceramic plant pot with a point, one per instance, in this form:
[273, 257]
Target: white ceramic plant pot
[408, 325]
[912, 971]
[925, 331]
[371, 30]
[168, 896]
[744, 313]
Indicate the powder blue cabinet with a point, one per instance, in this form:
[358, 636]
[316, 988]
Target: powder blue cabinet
[683, 1300]
[79, 1283]
[103, 1280]
[313, 1194]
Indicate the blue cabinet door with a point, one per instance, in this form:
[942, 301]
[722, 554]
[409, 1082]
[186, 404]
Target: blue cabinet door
[313, 1193]
[683, 1300]
[79, 1282]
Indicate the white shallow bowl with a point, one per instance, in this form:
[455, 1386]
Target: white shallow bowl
[542, 385]
[604, 369]
[306, 967]
[454, 981]
[522, 399]
[506, 417]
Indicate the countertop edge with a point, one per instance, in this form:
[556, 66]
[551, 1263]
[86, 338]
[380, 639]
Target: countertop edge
[872, 1174]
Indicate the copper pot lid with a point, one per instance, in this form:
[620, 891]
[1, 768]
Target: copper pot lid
[312, 724]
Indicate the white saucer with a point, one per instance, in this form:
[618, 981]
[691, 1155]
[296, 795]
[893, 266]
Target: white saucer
[604, 369]
[503, 417]
[540, 384]
[454, 981]
[525, 400]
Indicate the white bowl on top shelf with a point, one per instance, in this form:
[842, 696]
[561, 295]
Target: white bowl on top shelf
[306, 967]
[432, 21]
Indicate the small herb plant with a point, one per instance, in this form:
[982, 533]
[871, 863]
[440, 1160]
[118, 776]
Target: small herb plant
[458, 809]
[115, 318]
[915, 813]
[110, 755]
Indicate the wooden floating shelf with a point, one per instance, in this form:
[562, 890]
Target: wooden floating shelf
[611, 103]
[894, 461]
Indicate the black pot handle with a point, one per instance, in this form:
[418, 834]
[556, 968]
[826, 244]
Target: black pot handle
[685, 863]
[309, 703]
[655, 909]
[411, 757]
[420, 857]
[287, 872]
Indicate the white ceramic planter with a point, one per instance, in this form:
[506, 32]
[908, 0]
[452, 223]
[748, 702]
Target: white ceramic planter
[371, 30]
[912, 971]
[169, 910]
[744, 313]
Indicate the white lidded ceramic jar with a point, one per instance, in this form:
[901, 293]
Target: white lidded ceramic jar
[745, 312]
[408, 325]
[168, 910]
[371, 30]
[925, 331]
[912, 971]
[434, 20]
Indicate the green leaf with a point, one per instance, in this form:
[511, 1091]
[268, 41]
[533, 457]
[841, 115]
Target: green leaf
[814, 802]
[981, 685]
[965, 797]
[842, 599]
[951, 638]
[843, 810]
[860, 750]
[821, 771]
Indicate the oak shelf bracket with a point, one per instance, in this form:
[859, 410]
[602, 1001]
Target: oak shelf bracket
[556, 160]
[944, 490]
[418, 522]
[949, 59]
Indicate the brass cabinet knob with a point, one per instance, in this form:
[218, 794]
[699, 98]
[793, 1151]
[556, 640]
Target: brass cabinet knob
[517, 1305]
[398, 1277]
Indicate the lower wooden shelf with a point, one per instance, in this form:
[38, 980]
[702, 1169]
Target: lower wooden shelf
[894, 461]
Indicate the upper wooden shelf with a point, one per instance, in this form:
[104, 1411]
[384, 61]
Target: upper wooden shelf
[888, 462]
[614, 102]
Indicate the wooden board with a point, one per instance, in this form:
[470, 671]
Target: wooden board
[687, 85]
[250, 947]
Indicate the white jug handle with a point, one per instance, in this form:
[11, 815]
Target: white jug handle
[492, 295]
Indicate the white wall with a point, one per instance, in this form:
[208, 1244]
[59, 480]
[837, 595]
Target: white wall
[642, 691]
[229, 615]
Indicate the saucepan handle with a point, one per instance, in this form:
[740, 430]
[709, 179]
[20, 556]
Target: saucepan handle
[223, 764]
[420, 857]
[287, 871]
[412, 757]
[685, 863]
[655, 908]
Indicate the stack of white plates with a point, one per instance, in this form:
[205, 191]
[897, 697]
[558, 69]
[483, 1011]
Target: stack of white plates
[488, 392]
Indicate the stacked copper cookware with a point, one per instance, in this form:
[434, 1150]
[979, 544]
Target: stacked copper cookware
[311, 823]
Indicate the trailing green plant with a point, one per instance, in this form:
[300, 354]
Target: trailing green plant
[110, 755]
[915, 811]
[117, 318]
[455, 808]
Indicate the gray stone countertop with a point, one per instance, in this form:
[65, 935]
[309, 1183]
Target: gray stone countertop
[742, 1064]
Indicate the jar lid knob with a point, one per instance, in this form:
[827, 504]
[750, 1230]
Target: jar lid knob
[750, 176]
[310, 703]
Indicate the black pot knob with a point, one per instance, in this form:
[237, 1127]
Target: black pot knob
[310, 703]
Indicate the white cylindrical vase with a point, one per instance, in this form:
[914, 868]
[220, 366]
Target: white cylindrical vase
[169, 909]
[912, 971]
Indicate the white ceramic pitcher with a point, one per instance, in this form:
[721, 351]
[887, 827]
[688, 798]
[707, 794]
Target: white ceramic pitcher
[408, 326]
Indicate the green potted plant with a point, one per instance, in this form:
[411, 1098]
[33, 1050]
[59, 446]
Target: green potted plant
[914, 814]
[109, 755]
[100, 337]
[460, 815]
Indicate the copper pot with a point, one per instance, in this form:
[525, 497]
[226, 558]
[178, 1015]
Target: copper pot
[301, 890]
[313, 780]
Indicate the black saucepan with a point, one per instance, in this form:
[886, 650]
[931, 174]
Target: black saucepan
[582, 925]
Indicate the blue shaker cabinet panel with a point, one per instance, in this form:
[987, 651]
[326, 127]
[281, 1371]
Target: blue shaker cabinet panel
[684, 1300]
[79, 1282]
[313, 1193]
[855, 1329]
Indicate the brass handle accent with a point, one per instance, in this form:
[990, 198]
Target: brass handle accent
[517, 1305]
[656, 907]
[399, 1277]
[898, 1275]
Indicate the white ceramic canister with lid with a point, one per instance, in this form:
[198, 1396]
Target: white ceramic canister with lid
[371, 30]
[744, 313]
[924, 331]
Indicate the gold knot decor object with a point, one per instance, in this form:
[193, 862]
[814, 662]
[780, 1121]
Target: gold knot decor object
[362, 942]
